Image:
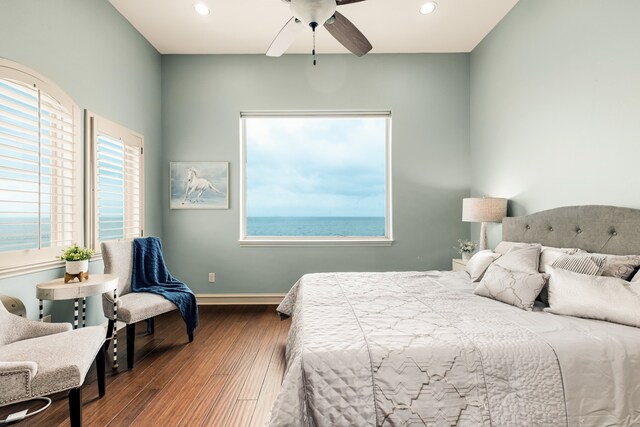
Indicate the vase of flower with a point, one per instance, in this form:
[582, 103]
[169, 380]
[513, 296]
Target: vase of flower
[466, 248]
[76, 262]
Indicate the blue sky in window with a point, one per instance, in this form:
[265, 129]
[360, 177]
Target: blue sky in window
[323, 167]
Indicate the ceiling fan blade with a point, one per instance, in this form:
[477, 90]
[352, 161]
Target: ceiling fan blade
[285, 37]
[348, 35]
[341, 2]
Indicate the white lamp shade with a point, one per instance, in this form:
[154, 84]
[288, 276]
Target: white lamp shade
[484, 209]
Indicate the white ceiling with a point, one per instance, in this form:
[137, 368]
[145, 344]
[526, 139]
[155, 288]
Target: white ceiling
[249, 26]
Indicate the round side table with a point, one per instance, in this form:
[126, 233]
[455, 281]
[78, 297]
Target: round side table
[55, 290]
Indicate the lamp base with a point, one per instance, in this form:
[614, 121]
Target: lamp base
[483, 236]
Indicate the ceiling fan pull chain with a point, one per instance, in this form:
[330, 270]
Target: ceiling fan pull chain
[314, 46]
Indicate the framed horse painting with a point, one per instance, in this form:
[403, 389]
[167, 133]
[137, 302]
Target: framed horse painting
[199, 185]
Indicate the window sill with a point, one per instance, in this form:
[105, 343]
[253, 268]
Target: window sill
[271, 242]
[21, 270]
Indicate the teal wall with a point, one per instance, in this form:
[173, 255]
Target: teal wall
[429, 99]
[555, 106]
[88, 49]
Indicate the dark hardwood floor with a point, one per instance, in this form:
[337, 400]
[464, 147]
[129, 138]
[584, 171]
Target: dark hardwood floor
[229, 376]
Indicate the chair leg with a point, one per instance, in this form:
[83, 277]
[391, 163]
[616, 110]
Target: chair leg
[107, 341]
[131, 341]
[75, 407]
[100, 368]
[151, 325]
[191, 337]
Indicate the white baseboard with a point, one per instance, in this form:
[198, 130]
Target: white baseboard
[239, 299]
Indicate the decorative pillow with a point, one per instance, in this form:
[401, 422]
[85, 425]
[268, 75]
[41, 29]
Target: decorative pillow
[523, 260]
[620, 266]
[505, 247]
[594, 297]
[550, 254]
[584, 264]
[519, 289]
[479, 263]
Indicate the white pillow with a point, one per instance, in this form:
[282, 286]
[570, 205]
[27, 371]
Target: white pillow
[523, 260]
[479, 263]
[594, 297]
[504, 247]
[579, 263]
[519, 289]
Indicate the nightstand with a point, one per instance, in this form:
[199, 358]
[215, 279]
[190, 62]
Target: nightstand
[458, 264]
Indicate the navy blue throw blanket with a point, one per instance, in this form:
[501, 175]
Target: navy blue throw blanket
[150, 274]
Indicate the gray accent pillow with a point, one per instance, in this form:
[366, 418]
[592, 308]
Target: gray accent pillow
[583, 264]
[517, 288]
[549, 255]
[479, 263]
[594, 297]
[523, 260]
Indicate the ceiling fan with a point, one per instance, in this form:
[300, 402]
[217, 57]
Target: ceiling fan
[315, 13]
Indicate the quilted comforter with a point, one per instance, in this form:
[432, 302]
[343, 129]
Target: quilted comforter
[415, 348]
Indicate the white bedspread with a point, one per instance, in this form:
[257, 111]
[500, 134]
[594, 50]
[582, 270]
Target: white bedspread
[414, 348]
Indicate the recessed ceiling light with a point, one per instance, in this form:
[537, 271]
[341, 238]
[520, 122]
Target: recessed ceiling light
[201, 9]
[428, 7]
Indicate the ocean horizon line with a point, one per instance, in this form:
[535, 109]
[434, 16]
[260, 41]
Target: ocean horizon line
[315, 216]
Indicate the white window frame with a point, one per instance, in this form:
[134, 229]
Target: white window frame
[245, 240]
[95, 126]
[33, 260]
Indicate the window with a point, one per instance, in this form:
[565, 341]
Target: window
[316, 178]
[40, 171]
[116, 176]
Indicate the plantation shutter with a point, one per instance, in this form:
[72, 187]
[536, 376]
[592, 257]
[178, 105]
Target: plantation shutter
[40, 169]
[117, 182]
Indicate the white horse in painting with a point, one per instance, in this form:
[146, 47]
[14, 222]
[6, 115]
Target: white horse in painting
[196, 185]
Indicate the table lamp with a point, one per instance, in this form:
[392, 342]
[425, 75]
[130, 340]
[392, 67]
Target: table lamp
[483, 210]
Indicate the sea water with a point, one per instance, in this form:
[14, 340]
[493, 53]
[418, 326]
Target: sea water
[316, 226]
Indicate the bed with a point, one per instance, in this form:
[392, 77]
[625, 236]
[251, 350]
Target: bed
[419, 348]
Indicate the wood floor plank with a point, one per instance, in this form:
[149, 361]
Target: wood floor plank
[222, 407]
[272, 381]
[176, 383]
[251, 388]
[241, 413]
[191, 378]
[128, 384]
[201, 405]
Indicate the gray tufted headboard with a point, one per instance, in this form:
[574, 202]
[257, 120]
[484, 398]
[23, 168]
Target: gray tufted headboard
[603, 229]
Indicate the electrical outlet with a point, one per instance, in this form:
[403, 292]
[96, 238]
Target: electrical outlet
[212, 277]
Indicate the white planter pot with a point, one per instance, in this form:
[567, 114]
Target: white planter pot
[77, 267]
[466, 256]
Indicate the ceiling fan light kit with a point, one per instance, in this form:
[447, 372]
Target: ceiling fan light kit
[428, 7]
[314, 13]
[201, 9]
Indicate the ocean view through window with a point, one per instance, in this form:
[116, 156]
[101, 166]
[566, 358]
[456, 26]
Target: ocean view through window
[40, 170]
[116, 181]
[316, 177]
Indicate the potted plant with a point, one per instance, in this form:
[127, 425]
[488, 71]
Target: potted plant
[77, 259]
[466, 248]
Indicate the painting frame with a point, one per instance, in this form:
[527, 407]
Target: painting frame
[199, 185]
